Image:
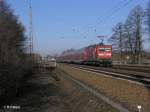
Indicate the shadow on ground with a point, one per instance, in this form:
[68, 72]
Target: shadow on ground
[40, 94]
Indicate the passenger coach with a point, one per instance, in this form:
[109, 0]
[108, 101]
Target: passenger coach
[98, 54]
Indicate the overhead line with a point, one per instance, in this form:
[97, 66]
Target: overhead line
[110, 14]
[111, 9]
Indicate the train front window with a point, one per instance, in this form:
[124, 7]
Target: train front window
[107, 49]
[104, 49]
[101, 49]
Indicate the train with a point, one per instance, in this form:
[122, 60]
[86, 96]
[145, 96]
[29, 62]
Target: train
[97, 54]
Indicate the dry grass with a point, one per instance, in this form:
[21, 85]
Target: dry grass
[43, 93]
[81, 100]
[129, 94]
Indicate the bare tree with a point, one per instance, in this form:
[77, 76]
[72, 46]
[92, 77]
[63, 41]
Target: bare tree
[117, 38]
[135, 20]
[127, 37]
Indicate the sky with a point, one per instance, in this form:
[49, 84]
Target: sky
[63, 24]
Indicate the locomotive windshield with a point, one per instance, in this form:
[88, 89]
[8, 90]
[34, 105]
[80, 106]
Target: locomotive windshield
[104, 49]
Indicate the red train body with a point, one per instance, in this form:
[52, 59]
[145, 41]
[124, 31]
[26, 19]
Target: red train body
[95, 54]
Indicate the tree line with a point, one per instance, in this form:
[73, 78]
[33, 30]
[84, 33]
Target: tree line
[15, 63]
[128, 37]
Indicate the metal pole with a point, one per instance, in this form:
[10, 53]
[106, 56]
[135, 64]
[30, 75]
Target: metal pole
[30, 30]
[30, 38]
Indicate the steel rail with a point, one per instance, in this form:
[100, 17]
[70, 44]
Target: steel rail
[136, 78]
[135, 68]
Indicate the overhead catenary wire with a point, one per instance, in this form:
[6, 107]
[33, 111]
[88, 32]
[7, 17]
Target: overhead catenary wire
[107, 12]
[115, 11]
[109, 15]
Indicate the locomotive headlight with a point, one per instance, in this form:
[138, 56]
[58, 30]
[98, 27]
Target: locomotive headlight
[128, 57]
[101, 54]
[108, 54]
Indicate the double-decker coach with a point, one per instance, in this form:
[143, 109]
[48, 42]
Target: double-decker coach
[98, 54]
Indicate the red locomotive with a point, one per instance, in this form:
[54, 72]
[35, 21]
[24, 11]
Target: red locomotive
[98, 54]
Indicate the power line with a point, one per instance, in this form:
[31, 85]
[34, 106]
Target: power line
[108, 11]
[110, 14]
[115, 11]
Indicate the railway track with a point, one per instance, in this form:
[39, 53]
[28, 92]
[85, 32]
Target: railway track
[139, 68]
[132, 76]
[123, 89]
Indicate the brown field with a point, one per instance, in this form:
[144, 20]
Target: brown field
[128, 94]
